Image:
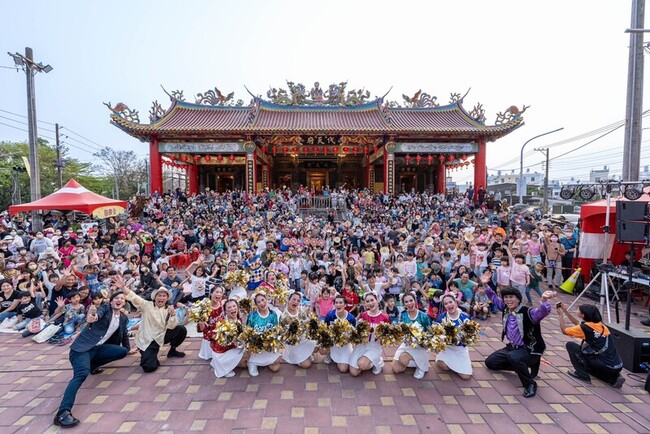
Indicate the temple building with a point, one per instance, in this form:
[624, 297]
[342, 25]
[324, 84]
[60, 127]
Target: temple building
[315, 138]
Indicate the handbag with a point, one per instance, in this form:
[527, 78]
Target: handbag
[45, 334]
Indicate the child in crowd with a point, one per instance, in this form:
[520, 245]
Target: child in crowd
[536, 277]
[325, 302]
[27, 310]
[481, 302]
[391, 309]
[74, 314]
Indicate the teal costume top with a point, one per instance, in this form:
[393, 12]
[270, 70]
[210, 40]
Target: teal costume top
[422, 319]
[260, 323]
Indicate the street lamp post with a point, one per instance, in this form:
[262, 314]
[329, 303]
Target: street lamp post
[31, 68]
[520, 185]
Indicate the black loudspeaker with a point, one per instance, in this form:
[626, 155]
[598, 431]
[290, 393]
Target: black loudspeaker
[631, 232]
[633, 346]
[631, 210]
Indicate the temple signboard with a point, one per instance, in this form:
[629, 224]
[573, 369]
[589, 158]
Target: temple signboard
[200, 147]
[433, 148]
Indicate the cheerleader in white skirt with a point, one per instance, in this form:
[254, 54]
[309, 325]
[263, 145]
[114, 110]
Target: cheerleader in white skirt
[408, 356]
[226, 358]
[454, 358]
[216, 301]
[300, 354]
[261, 320]
[368, 356]
[340, 355]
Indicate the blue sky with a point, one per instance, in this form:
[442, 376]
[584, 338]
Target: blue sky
[567, 59]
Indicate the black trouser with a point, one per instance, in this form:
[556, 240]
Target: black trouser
[593, 365]
[518, 359]
[567, 266]
[149, 357]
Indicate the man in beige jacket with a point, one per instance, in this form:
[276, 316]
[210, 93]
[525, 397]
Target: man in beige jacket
[159, 326]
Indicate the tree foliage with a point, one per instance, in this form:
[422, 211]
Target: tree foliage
[128, 174]
[12, 153]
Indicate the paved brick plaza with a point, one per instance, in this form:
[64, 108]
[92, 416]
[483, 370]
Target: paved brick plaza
[184, 396]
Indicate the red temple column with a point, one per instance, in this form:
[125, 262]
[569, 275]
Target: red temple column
[193, 178]
[155, 168]
[441, 179]
[480, 167]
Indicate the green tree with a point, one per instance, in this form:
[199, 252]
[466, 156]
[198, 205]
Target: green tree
[12, 153]
[127, 173]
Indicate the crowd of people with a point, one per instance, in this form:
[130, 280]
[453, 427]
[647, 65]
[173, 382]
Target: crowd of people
[415, 258]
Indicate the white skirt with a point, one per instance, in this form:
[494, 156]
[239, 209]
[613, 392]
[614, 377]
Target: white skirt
[222, 363]
[371, 350]
[295, 354]
[341, 354]
[206, 351]
[264, 358]
[457, 359]
[420, 356]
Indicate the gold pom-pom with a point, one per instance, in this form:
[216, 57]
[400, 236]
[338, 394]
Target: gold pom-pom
[292, 331]
[434, 339]
[271, 341]
[390, 335]
[245, 305]
[451, 332]
[227, 332]
[414, 334]
[469, 333]
[251, 340]
[340, 330]
[200, 311]
[312, 328]
[361, 333]
[324, 336]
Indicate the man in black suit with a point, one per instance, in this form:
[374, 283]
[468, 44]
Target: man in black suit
[104, 340]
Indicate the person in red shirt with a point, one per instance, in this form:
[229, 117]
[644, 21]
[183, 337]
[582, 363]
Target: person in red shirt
[369, 355]
[351, 298]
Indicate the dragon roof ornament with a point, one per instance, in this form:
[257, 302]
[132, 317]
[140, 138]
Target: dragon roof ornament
[335, 95]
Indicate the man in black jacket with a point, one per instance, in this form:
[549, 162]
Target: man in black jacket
[104, 340]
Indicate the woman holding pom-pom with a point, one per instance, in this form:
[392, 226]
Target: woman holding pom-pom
[262, 320]
[293, 317]
[226, 356]
[207, 328]
[340, 354]
[368, 354]
[409, 356]
[454, 357]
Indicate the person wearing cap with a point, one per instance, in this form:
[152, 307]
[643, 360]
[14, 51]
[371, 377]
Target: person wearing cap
[105, 340]
[521, 326]
[159, 326]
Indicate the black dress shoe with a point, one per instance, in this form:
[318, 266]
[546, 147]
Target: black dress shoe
[530, 390]
[578, 377]
[96, 371]
[65, 419]
[175, 353]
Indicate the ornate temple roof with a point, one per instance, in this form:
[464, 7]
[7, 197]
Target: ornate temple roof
[299, 112]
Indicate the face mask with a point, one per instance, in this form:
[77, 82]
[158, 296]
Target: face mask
[321, 284]
[10, 266]
[32, 267]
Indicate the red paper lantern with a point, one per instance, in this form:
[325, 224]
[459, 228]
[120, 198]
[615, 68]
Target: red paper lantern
[429, 159]
[355, 149]
[275, 149]
[208, 158]
[451, 158]
[473, 161]
[365, 149]
[305, 150]
[196, 158]
[184, 158]
[463, 157]
[315, 149]
[335, 149]
[441, 158]
[232, 158]
[375, 149]
[408, 159]
[418, 159]
[172, 157]
[294, 149]
[265, 148]
[346, 149]
[219, 158]
[285, 149]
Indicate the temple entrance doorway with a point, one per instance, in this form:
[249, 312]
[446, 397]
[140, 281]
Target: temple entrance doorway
[317, 180]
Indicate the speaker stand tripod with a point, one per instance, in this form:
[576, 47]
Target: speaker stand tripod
[605, 283]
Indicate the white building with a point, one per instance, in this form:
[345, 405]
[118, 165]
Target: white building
[597, 175]
[530, 178]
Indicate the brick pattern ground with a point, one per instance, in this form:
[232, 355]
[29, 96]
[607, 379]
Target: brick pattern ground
[184, 396]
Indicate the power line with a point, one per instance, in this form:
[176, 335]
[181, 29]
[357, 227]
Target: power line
[85, 138]
[23, 116]
[25, 123]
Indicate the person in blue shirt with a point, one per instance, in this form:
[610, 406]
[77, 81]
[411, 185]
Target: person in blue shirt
[340, 355]
[454, 358]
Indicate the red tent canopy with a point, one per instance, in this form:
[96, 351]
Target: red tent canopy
[73, 197]
[594, 244]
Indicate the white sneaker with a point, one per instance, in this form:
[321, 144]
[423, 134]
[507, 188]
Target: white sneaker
[419, 374]
[252, 370]
[232, 374]
[327, 359]
[377, 369]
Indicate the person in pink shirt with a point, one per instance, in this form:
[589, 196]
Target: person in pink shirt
[519, 273]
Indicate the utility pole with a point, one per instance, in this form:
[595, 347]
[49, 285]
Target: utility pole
[634, 105]
[59, 164]
[31, 68]
[546, 153]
